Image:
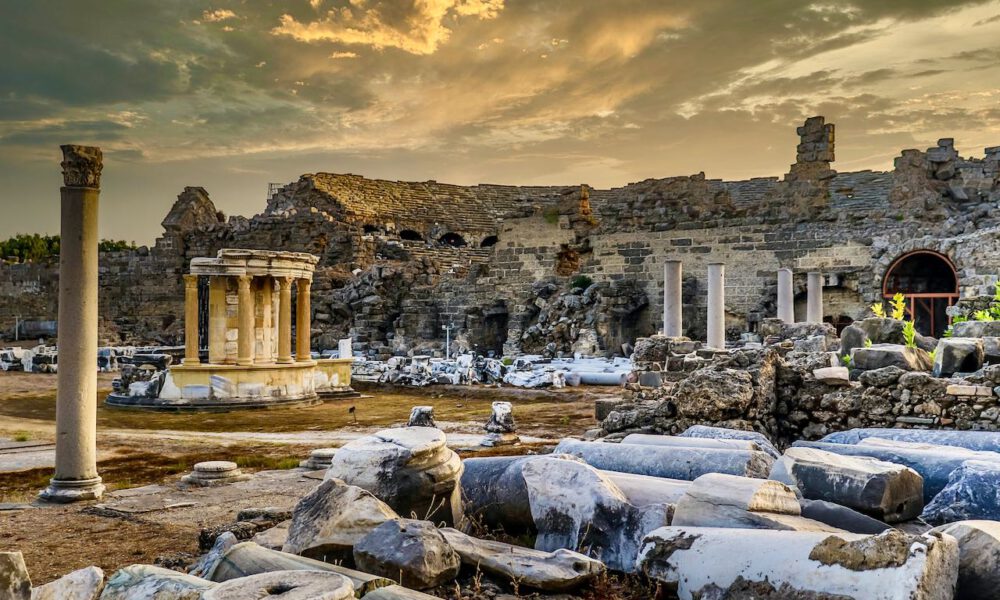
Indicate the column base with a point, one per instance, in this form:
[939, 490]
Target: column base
[244, 362]
[65, 490]
[190, 361]
[286, 361]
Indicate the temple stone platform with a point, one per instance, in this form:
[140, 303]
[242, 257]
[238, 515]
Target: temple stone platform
[250, 360]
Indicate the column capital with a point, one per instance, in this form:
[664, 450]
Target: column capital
[304, 283]
[244, 280]
[284, 282]
[82, 166]
[190, 280]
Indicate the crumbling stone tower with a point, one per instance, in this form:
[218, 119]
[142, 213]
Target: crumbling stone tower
[814, 153]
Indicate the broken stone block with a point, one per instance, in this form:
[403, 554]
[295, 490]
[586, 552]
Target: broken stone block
[500, 429]
[397, 592]
[976, 329]
[320, 458]
[833, 375]
[722, 433]
[248, 558]
[841, 517]
[421, 416]
[642, 439]
[978, 557]
[987, 441]
[972, 492]
[717, 500]
[14, 581]
[410, 469]
[574, 506]
[414, 552]
[933, 465]
[206, 563]
[756, 563]
[284, 585]
[555, 571]
[670, 462]
[958, 355]
[886, 491]
[881, 378]
[275, 537]
[145, 582]
[878, 356]
[82, 584]
[331, 519]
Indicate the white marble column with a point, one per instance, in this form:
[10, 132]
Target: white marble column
[717, 306]
[786, 296]
[672, 271]
[76, 475]
[814, 299]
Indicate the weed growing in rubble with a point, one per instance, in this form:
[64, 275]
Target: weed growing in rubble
[898, 303]
[878, 309]
[909, 334]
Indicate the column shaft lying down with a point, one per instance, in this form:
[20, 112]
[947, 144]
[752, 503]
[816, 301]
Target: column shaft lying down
[671, 462]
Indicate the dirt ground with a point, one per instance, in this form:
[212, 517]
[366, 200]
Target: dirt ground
[134, 450]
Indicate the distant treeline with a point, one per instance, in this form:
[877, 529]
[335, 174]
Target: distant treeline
[35, 248]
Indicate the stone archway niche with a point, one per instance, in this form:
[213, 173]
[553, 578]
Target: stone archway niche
[929, 281]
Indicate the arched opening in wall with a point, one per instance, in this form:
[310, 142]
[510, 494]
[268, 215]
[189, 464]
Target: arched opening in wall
[930, 283]
[489, 241]
[411, 235]
[370, 229]
[452, 239]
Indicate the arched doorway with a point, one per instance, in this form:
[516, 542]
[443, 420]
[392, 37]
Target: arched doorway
[930, 284]
[452, 239]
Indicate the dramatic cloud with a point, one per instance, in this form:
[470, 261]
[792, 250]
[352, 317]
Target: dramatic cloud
[231, 94]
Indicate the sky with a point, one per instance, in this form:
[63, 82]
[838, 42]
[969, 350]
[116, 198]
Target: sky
[231, 95]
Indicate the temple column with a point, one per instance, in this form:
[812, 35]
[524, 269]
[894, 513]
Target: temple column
[76, 475]
[190, 320]
[217, 319]
[672, 298]
[814, 298]
[265, 355]
[786, 298]
[717, 306]
[245, 341]
[302, 321]
[285, 320]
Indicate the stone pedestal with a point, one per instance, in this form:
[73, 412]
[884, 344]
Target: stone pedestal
[214, 472]
[814, 302]
[76, 399]
[672, 304]
[717, 306]
[786, 296]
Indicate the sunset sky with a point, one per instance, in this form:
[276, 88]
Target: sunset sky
[232, 95]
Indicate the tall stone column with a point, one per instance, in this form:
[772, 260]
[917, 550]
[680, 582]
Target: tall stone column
[814, 299]
[265, 355]
[190, 320]
[245, 318]
[217, 318]
[717, 306]
[786, 297]
[76, 475]
[303, 323]
[672, 270]
[285, 320]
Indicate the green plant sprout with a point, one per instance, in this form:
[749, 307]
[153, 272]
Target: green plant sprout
[898, 303]
[909, 334]
[878, 310]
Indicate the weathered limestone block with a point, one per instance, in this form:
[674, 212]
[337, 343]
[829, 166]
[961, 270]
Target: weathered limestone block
[886, 491]
[574, 506]
[958, 355]
[841, 517]
[978, 557]
[397, 592]
[722, 433]
[275, 537]
[972, 492]
[14, 580]
[331, 519]
[413, 551]
[833, 375]
[248, 558]
[720, 563]
[878, 356]
[715, 395]
[410, 469]
[284, 585]
[555, 571]
[883, 377]
[717, 500]
[500, 428]
[670, 462]
[672, 441]
[988, 441]
[82, 584]
[146, 582]
[933, 465]
[421, 416]
[976, 329]
[206, 564]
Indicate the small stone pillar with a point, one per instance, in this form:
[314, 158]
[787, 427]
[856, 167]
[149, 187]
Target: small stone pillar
[76, 475]
[786, 296]
[717, 306]
[500, 429]
[285, 320]
[303, 322]
[245, 326]
[190, 320]
[814, 300]
[345, 348]
[672, 299]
